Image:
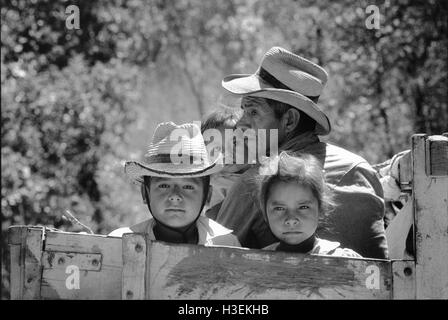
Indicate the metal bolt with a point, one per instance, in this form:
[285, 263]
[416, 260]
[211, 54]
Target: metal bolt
[29, 280]
[61, 261]
[407, 271]
[138, 247]
[95, 262]
[129, 294]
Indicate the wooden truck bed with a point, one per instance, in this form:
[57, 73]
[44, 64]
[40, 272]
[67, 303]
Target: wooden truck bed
[48, 264]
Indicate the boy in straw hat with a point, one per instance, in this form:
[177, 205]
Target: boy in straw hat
[175, 178]
[282, 95]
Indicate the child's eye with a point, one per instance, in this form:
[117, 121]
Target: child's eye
[304, 207]
[188, 187]
[163, 186]
[279, 209]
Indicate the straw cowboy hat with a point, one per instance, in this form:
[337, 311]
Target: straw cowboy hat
[176, 151]
[286, 77]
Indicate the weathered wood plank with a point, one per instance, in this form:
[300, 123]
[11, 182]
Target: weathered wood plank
[33, 266]
[398, 230]
[134, 266]
[430, 198]
[405, 172]
[75, 281]
[92, 285]
[437, 156]
[16, 240]
[61, 260]
[16, 274]
[198, 272]
[16, 234]
[403, 279]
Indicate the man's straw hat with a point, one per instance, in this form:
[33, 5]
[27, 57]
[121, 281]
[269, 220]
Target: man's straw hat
[176, 151]
[286, 77]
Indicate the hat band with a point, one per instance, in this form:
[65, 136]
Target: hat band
[266, 76]
[167, 158]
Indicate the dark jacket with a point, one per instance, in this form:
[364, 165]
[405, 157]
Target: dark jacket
[356, 222]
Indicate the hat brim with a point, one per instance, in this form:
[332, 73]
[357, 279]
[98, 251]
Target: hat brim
[244, 83]
[136, 170]
[251, 84]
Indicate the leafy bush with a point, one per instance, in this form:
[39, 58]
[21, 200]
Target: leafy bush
[63, 141]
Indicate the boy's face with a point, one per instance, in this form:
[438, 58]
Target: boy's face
[292, 212]
[176, 201]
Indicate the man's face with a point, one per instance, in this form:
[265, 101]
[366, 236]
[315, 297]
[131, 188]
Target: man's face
[176, 201]
[259, 115]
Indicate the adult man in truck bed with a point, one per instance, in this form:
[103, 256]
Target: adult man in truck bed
[282, 95]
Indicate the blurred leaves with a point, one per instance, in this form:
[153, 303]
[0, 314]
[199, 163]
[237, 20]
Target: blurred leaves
[63, 138]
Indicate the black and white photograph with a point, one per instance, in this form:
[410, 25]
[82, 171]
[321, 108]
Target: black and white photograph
[224, 155]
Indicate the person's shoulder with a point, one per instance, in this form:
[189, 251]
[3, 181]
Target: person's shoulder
[213, 228]
[340, 163]
[249, 174]
[225, 240]
[337, 153]
[322, 246]
[244, 185]
[345, 252]
[216, 234]
[272, 247]
[120, 231]
[137, 228]
[332, 248]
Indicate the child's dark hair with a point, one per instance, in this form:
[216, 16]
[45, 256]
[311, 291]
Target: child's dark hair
[304, 169]
[222, 116]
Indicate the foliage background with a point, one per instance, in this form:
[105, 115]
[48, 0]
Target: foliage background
[76, 103]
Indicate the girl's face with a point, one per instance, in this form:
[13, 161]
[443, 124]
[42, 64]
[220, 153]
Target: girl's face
[292, 212]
